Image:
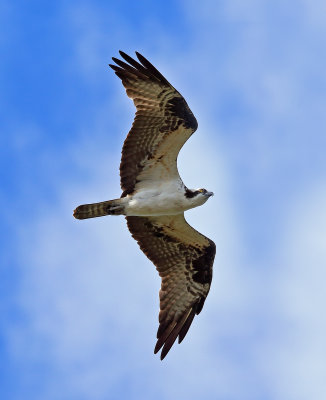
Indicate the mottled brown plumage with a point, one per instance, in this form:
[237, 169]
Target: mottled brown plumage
[163, 121]
[154, 197]
[184, 259]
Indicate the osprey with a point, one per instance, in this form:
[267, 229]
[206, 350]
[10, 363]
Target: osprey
[154, 197]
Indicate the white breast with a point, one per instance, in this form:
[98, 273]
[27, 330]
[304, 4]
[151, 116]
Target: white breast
[164, 198]
[167, 198]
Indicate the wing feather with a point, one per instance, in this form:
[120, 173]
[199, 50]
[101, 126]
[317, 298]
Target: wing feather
[184, 259]
[162, 124]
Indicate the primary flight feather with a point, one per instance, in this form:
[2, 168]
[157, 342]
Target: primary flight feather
[154, 197]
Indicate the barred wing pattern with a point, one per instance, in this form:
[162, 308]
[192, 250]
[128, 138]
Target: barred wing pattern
[162, 124]
[184, 259]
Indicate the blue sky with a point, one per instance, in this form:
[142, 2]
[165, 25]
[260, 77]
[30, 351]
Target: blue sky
[79, 301]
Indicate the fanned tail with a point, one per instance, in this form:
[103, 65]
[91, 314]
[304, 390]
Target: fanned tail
[109, 207]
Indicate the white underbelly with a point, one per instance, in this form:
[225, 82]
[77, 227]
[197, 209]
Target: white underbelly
[153, 203]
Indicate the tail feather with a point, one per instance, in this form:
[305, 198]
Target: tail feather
[109, 207]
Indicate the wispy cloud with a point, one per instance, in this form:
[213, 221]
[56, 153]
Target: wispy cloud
[89, 297]
[300, 295]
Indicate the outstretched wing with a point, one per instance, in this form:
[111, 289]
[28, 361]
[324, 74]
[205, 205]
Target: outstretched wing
[184, 259]
[162, 124]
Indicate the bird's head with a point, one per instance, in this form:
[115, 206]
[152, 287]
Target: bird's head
[198, 196]
[204, 192]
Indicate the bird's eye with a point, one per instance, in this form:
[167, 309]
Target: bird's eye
[200, 190]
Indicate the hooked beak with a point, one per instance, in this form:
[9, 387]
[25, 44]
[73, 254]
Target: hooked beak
[209, 194]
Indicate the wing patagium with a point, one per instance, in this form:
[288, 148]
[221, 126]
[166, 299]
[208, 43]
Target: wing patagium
[184, 259]
[161, 112]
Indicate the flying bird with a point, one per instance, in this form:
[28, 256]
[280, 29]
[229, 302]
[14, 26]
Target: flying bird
[154, 198]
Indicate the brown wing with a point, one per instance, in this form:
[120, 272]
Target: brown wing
[184, 259]
[162, 124]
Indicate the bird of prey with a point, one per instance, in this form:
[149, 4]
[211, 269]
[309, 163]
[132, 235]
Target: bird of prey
[154, 197]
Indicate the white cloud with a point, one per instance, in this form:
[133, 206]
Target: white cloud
[91, 297]
[298, 355]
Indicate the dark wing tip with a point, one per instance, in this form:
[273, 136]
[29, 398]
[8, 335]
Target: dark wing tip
[185, 328]
[143, 60]
[144, 67]
[114, 67]
[115, 59]
[150, 67]
[168, 333]
[123, 54]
